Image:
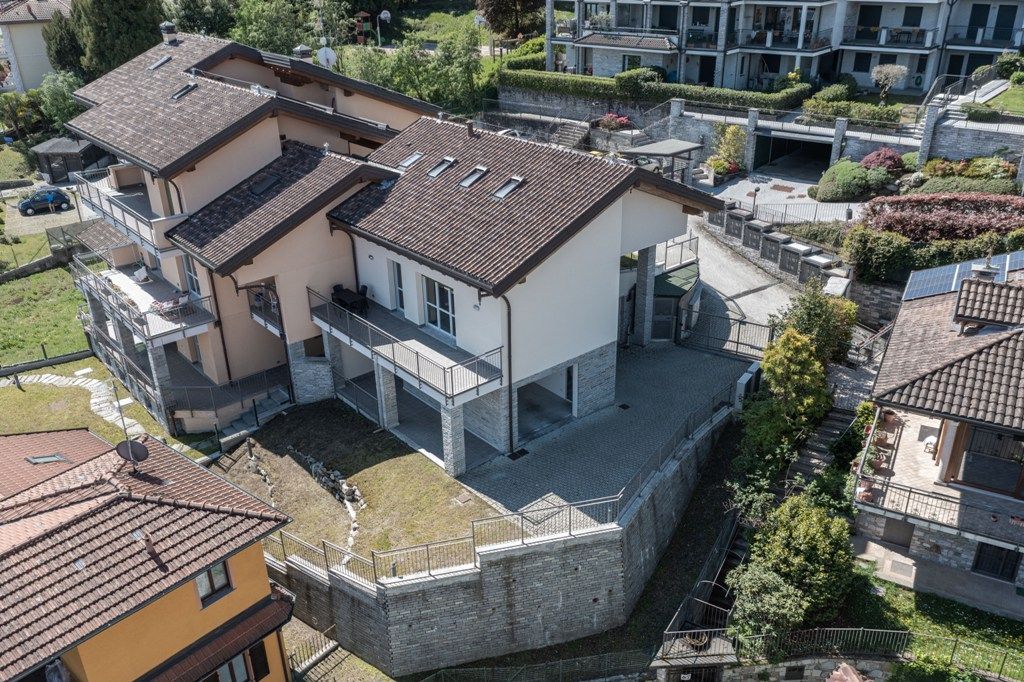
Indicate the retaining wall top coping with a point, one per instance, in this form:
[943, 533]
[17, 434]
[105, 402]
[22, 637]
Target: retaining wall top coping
[451, 576]
[548, 543]
[371, 594]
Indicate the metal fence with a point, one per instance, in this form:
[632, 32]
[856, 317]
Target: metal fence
[235, 393]
[601, 666]
[807, 212]
[727, 334]
[303, 655]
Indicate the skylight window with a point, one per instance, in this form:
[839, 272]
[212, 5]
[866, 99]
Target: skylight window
[46, 459]
[442, 165]
[473, 176]
[266, 183]
[184, 90]
[410, 160]
[508, 187]
[160, 62]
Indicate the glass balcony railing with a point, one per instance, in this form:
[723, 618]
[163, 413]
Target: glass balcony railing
[984, 36]
[892, 36]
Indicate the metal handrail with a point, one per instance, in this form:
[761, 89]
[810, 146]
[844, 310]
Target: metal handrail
[449, 380]
[197, 398]
[265, 305]
[118, 211]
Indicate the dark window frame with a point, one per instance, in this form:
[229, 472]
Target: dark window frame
[1006, 562]
[217, 591]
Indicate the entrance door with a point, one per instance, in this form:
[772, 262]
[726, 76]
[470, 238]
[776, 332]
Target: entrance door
[1006, 18]
[706, 71]
[868, 21]
[977, 60]
[665, 320]
[898, 532]
[58, 169]
[955, 66]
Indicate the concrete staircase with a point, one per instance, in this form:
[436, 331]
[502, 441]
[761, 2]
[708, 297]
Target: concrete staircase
[251, 420]
[815, 455]
[571, 134]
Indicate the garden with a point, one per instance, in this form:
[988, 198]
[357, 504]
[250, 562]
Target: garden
[1007, 105]
[843, 100]
[37, 310]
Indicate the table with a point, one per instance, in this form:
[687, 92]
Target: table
[350, 300]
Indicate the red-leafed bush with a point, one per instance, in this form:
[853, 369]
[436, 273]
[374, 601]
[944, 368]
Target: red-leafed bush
[925, 217]
[886, 158]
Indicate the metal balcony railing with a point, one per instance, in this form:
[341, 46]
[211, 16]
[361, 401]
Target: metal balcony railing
[231, 395]
[152, 309]
[94, 188]
[892, 36]
[706, 38]
[984, 36]
[264, 304]
[776, 39]
[448, 379]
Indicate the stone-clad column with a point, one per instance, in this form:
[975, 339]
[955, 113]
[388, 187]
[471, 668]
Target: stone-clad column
[387, 396]
[453, 436]
[931, 119]
[645, 271]
[161, 383]
[751, 142]
[723, 34]
[837, 139]
[549, 30]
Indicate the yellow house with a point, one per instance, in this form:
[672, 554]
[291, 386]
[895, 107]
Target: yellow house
[22, 25]
[112, 570]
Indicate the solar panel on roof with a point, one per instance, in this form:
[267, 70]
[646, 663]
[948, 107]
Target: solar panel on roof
[947, 278]
[1015, 261]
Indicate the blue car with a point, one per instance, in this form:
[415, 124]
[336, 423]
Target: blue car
[49, 200]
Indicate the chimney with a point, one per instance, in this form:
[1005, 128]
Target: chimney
[986, 272]
[303, 52]
[150, 545]
[469, 128]
[169, 32]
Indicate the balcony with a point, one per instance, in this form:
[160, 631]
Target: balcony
[265, 309]
[891, 36]
[783, 40]
[981, 36]
[904, 483]
[450, 374]
[702, 38]
[153, 308]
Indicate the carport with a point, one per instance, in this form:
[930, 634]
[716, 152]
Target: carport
[801, 155]
[666, 154]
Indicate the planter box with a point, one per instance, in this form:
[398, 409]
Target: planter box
[613, 140]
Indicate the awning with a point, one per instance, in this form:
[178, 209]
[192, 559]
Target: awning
[677, 283]
[669, 147]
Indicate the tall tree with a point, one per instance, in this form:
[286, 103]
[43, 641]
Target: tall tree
[113, 31]
[456, 65]
[796, 378]
[56, 100]
[270, 25]
[511, 17]
[62, 45]
[209, 17]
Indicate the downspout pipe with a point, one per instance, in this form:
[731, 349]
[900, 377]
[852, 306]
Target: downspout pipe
[508, 345]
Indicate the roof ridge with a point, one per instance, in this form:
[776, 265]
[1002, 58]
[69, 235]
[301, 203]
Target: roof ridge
[106, 477]
[203, 506]
[998, 338]
[17, 547]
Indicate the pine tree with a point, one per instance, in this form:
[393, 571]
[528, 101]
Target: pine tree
[62, 46]
[113, 31]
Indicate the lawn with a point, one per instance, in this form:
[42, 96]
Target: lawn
[26, 249]
[37, 407]
[12, 164]
[39, 310]
[1010, 100]
[410, 500]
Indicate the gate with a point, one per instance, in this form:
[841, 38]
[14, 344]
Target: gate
[726, 334]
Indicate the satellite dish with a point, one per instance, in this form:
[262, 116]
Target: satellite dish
[132, 451]
[327, 57]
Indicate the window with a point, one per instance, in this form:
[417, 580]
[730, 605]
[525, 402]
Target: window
[46, 459]
[440, 306]
[743, 64]
[630, 61]
[191, 277]
[213, 582]
[886, 59]
[772, 63]
[510, 186]
[409, 161]
[996, 562]
[861, 62]
[234, 670]
[912, 16]
[441, 166]
[398, 286]
[258, 661]
[700, 16]
[473, 176]
[313, 347]
[922, 64]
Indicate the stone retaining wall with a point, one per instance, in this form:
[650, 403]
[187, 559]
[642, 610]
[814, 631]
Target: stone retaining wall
[877, 304]
[807, 669]
[955, 140]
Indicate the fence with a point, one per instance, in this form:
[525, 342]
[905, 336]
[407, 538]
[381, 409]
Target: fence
[215, 398]
[808, 212]
[305, 654]
[727, 334]
[601, 666]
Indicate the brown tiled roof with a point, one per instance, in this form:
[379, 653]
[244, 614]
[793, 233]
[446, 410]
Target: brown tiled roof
[227, 641]
[73, 556]
[102, 236]
[990, 302]
[29, 11]
[625, 42]
[231, 229]
[469, 234]
[74, 446]
[930, 366]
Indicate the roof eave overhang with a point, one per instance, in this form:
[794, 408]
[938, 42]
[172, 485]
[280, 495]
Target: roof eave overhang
[939, 414]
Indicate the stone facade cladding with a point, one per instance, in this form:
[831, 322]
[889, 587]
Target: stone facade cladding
[517, 597]
[311, 376]
[877, 304]
[808, 668]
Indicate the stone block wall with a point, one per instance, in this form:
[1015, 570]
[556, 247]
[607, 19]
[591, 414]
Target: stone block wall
[955, 140]
[857, 148]
[877, 304]
[806, 669]
[595, 379]
[311, 376]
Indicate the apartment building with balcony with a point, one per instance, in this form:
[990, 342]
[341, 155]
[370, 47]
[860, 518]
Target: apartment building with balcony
[747, 44]
[192, 121]
[21, 26]
[941, 486]
[113, 571]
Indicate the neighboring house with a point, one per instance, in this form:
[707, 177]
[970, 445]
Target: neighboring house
[111, 572]
[22, 25]
[214, 137]
[941, 496]
[748, 44]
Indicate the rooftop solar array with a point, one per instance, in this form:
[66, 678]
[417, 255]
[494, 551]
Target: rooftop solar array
[946, 278]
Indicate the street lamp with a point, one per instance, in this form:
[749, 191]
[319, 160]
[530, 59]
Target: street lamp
[384, 16]
[753, 208]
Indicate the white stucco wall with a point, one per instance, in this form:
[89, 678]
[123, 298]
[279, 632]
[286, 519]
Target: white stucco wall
[26, 47]
[648, 219]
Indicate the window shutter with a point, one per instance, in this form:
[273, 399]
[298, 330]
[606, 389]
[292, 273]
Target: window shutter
[258, 660]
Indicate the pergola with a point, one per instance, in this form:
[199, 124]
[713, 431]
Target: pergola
[667, 152]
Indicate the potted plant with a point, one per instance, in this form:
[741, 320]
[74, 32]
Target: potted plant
[721, 169]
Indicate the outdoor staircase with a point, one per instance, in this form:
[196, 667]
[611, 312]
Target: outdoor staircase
[816, 455]
[248, 422]
[571, 134]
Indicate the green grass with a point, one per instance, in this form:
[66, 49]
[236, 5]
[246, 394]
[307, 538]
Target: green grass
[36, 310]
[12, 164]
[1010, 100]
[28, 248]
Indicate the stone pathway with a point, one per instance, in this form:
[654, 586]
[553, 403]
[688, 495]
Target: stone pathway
[102, 403]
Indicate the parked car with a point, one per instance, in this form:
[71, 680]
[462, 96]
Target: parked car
[44, 200]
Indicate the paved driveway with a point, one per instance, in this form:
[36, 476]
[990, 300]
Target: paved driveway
[597, 455]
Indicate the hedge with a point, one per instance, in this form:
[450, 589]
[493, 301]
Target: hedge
[926, 217]
[956, 184]
[825, 110]
[979, 112]
[847, 180]
[526, 61]
[595, 87]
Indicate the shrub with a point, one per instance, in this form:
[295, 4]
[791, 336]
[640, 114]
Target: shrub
[926, 669]
[878, 256]
[631, 83]
[829, 235]
[810, 551]
[826, 320]
[941, 168]
[924, 217]
[990, 167]
[910, 160]
[812, 192]
[796, 378]
[526, 61]
[613, 121]
[860, 112]
[1017, 78]
[850, 83]
[833, 93]
[961, 185]
[765, 604]
[1008, 63]
[765, 427]
[730, 143]
[885, 158]
[979, 112]
[849, 181]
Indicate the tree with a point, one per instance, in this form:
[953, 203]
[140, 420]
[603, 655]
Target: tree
[730, 143]
[796, 378]
[810, 551]
[330, 19]
[411, 68]
[12, 112]
[270, 25]
[209, 17]
[113, 31]
[886, 77]
[827, 320]
[56, 98]
[368, 64]
[62, 45]
[511, 17]
[456, 64]
[765, 604]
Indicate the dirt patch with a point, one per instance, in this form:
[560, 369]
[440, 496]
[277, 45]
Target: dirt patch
[409, 499]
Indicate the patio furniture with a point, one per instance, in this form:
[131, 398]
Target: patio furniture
[351, 300]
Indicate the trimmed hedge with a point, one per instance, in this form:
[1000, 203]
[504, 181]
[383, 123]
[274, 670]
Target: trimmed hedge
[591, 87]
[847, 180]
[956, 184]
[858, 112]
[526, 61]
[927, 217]
[979, 112]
